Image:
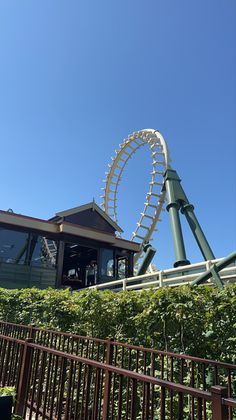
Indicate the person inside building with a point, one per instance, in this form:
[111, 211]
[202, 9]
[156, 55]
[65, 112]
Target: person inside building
[91, 273]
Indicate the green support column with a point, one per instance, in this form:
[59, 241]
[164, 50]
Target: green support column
[179, 247]
[188, 211]
[172, 187]
[149, 252]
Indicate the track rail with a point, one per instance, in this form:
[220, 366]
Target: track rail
[155, 197]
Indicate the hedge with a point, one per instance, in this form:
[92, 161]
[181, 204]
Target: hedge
[199, 321]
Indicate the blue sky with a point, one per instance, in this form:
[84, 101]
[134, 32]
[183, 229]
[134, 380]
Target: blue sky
[77, 77]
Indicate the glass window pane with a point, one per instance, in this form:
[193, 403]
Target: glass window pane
[107, 263]
[24, 248]
[44, 252]
[122, 267]
[13, 246]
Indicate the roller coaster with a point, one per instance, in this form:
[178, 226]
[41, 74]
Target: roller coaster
[164, 185]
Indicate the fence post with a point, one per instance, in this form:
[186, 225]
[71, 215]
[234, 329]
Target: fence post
[219, 411]
[25, 371]
[107, 381]
[32, 332]
[109, 351]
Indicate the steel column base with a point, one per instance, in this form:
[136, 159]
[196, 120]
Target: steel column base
[181, 262]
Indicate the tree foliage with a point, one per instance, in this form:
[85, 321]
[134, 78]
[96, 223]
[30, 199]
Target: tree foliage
[200, 321]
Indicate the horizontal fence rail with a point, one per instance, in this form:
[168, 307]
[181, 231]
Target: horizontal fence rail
[56, 385]
[172, 277]
[186, 370]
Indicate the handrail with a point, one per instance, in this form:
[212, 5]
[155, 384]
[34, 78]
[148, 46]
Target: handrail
[121, 344]
[230, 402]
[161, 277]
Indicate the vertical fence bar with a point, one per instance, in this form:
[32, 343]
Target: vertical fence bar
[87, 392]
[192, 384]
[119, 405]
[229, 394]
[199, 409]
[180, 406]
[32, 332]
[96, 394]
[219, 411]
[133, 412]
[107, 383]
[24, 378]
[171, 392]
[163, 403]
[106, 398]
[6, 363]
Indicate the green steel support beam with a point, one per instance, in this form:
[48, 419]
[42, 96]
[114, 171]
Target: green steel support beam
[174, 191]
[179, 200]
[216, 278]
[214, 271]
[179, 247]
[149, 252]
[187, 210]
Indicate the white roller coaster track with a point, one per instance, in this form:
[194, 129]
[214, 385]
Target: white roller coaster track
[50, 249]
[155, 197]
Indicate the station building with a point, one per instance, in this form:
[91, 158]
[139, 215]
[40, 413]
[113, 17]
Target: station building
[77, 248]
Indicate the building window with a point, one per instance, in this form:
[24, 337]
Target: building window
[13, 246]
[107, 263]
[26, 248]
[122, 267]
[44, 252]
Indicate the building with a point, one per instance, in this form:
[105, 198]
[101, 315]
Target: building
[77, 247]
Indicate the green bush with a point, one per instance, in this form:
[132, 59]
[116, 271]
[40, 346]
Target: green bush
[8, 391]
[200, 321]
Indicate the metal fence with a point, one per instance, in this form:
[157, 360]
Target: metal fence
[188, 370]
[56, 385]
[64, 374]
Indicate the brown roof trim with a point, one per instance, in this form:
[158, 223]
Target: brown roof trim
[17, 220]
[25, 217]
[48, 227]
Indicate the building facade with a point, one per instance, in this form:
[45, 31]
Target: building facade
[77, 248]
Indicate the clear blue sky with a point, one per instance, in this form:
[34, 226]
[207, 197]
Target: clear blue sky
[76, 77]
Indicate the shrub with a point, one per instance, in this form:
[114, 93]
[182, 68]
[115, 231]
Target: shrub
[200, 321]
